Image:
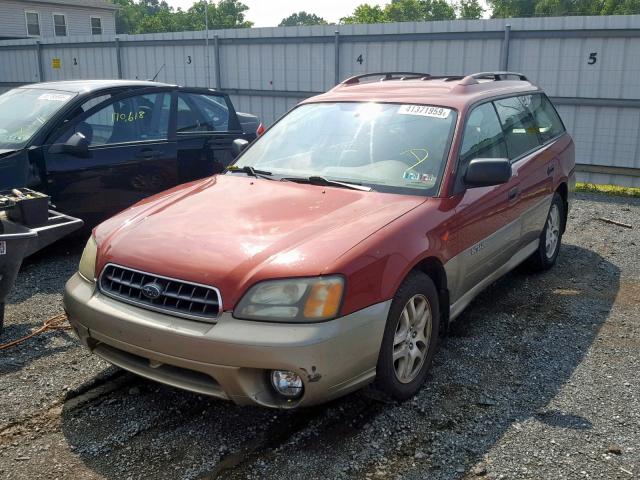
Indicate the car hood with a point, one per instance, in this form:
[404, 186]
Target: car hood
[231, 231]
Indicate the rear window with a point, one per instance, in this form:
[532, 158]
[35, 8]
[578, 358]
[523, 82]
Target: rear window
[546, 118]
[520, 130]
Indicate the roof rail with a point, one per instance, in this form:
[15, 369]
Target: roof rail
[496, 76]
[464, 80]
[387, 76]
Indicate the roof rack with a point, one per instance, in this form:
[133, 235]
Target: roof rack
[495, 76]
[386, 76]
[464, 80]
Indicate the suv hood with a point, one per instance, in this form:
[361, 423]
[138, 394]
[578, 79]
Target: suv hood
[232, 231]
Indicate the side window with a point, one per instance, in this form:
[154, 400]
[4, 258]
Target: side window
[482, 137]
[132, 119]
[547, 120]
[202, 113]
[520, 131]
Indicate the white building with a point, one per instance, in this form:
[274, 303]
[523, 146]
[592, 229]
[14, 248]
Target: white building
[56, 18]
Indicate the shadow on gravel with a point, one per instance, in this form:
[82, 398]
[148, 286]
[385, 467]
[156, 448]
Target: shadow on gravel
[505, 359]
[41, 275]
[18, 357]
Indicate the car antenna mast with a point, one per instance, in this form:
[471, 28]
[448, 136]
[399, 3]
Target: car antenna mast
[157, 73]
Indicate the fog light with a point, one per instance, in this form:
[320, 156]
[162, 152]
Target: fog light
[288, 384]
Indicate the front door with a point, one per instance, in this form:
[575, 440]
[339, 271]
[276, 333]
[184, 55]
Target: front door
[487, 231]
[131, 156]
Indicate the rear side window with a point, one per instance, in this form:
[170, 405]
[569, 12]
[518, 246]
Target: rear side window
[202, 113]
[482, 137]
[520, 130]
[546, 118]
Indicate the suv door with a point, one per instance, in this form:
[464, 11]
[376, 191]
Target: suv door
[131, 155]
[487, 228]
[206, 126]
[537, 171]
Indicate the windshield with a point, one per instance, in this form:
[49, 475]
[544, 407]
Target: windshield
[390, 147]
[23, 111]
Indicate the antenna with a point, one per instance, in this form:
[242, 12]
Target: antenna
[157, 73]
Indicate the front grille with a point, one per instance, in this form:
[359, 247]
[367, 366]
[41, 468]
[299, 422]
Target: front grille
[175, 297]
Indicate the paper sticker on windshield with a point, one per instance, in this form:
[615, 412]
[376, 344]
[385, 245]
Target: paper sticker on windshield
[56, 97]
[424, 110]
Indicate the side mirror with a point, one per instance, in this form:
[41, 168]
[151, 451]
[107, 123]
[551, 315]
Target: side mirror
[484, 172]
[238, 145]
[77, 145]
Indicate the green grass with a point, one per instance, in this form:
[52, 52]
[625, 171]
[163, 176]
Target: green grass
[608, 189]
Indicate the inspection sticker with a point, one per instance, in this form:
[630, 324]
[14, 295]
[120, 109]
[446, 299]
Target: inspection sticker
[3, 248]
[424, 110]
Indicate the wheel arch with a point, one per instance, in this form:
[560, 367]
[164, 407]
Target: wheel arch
[563, 191]
[434, 268]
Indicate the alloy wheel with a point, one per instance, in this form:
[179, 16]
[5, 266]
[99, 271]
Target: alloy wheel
[412, 338]
[552, 231]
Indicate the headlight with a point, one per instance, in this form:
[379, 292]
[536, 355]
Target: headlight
[293, 300]
[87, 266]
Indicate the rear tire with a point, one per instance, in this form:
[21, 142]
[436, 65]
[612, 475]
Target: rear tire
[410, 338]
[551, 237]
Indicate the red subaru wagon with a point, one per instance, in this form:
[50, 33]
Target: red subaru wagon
[337, 247]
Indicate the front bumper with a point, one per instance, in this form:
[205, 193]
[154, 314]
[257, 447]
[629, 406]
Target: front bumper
[232, 358]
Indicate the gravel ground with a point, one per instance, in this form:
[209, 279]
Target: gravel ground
[538, 379]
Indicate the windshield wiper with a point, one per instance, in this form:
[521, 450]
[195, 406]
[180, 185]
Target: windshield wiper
[325, 182]
[250, 171]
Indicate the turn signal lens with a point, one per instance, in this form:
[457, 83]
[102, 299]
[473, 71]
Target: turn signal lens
[260, 130]
[324, 299]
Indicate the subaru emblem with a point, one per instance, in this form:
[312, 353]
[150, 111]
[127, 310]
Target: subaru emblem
[152, 290]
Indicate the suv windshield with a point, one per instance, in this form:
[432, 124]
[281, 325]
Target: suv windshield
[23, 111]
[390, 147]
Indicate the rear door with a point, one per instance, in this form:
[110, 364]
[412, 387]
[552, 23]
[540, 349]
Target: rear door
[487, 230]
[206, 126]
[538, 171]
[131, 155]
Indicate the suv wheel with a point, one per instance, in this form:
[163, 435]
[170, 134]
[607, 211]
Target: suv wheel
[410, 338]
[545, 257]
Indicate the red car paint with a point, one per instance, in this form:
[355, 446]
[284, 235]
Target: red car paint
[232, 231]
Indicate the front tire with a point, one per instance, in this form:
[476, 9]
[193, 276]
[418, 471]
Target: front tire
[551, 237]
[410, 338]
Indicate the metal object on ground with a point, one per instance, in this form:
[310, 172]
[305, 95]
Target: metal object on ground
[18, 241]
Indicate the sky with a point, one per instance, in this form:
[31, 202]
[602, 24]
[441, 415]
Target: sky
[269, 13]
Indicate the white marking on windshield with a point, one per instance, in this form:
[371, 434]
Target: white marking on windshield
[424, 110]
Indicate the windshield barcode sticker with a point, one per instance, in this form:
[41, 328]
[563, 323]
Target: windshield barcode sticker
[3, 248]
[424, 110]
[55, 97]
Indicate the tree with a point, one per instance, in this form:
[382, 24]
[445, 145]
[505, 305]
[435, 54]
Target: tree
[152, 16]
[527, 8]
[402, 11]
[302, 18]
[470, 10]
[512, 8]
[365, 13]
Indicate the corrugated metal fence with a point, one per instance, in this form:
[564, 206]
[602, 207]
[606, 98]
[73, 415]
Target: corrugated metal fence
[590, 66]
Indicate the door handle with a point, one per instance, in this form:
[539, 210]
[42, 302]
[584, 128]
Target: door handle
[513, 193]
[550, 169]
